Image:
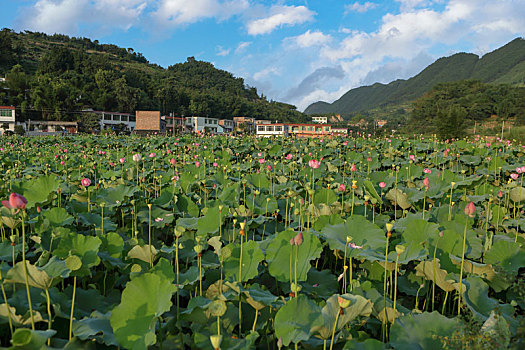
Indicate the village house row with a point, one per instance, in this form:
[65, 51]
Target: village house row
[150, 122]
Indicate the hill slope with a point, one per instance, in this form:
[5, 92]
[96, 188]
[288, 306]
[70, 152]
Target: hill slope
[55, 76]
[504, 65]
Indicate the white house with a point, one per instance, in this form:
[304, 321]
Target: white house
[320, 120]
[199, 124]
[110, 119]
[7, 116]
[268, 130]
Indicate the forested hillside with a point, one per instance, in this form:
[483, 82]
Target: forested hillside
[504, 65]
[56, 76]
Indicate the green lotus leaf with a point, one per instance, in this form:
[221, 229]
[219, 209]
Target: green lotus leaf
[359, 306]
[58, 217]
[35, 277]
[325, 196]
[252, 255]
[144, 299]
[39, 190]
[432, 271]
[397, 197]
[368, 344]
[478, 300]
[363, 233]
[295, 319]
[143, 253]
[84, 247]
[507, 255]
[279, 253]
[419, 231]
[27, 339]
[95, 327]
[421, 331]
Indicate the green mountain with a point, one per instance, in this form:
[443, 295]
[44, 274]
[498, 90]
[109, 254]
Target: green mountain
[56, 76]
[504, 65]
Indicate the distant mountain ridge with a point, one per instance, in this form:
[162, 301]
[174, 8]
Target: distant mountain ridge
[503, 65]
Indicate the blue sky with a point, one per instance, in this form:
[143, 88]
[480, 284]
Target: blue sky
[293, 51]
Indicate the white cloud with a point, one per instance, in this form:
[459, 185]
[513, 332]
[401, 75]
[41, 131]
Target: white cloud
[65, 16]
[308, 39]
[242, 47]
[406, 42]
[54, 16]
[265, 73]
[278, 16]
[361, 8]
[221, 51]
[180, 12]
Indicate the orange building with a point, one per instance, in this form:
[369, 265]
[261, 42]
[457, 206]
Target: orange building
[310, 130]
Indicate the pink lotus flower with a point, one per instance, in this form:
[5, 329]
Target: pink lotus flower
[289, 156]
[173, 161]
[514, 176]
[85, 182]
[152, 155]
[215, 164]
[314, 164]
[412, 157]
[500, 194]
[426, 182]
[353, 168]
[269, 167]
[342, 188]
[298, 239]
[122, 160]
[382, 184]
[470, 209]
[261, 161]
[259, 154]
[16, 201]
[355, 246]
[427, 171]
[523, 169]
[197, 164]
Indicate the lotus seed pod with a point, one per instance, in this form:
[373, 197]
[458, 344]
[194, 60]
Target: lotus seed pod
[216, 341]
[343, 302]
[389, 227]
[400, 249]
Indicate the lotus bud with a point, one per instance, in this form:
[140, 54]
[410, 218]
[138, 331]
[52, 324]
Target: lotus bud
[470, 209]
[198, 248]
[348, 239]
[280, 343]
[298, 239]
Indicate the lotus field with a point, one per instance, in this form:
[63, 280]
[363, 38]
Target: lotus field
[242, 243]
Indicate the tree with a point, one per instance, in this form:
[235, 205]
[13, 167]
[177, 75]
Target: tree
[19, 130]
[450, 122]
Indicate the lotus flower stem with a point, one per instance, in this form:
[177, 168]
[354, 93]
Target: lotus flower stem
[48, 303]
[6, 304]
[395, 289]
[333, 330]
[444, 303]
[24, 262]
[255, 320]
[461, 269]
[72, 307]
[149, 236]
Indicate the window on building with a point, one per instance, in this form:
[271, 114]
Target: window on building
[303, 128]
[124, 118]
[260, 128]
[116, 117]
[107, 116]
[310, 128]
[6, 113]
[278, 128]
[269, 128]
